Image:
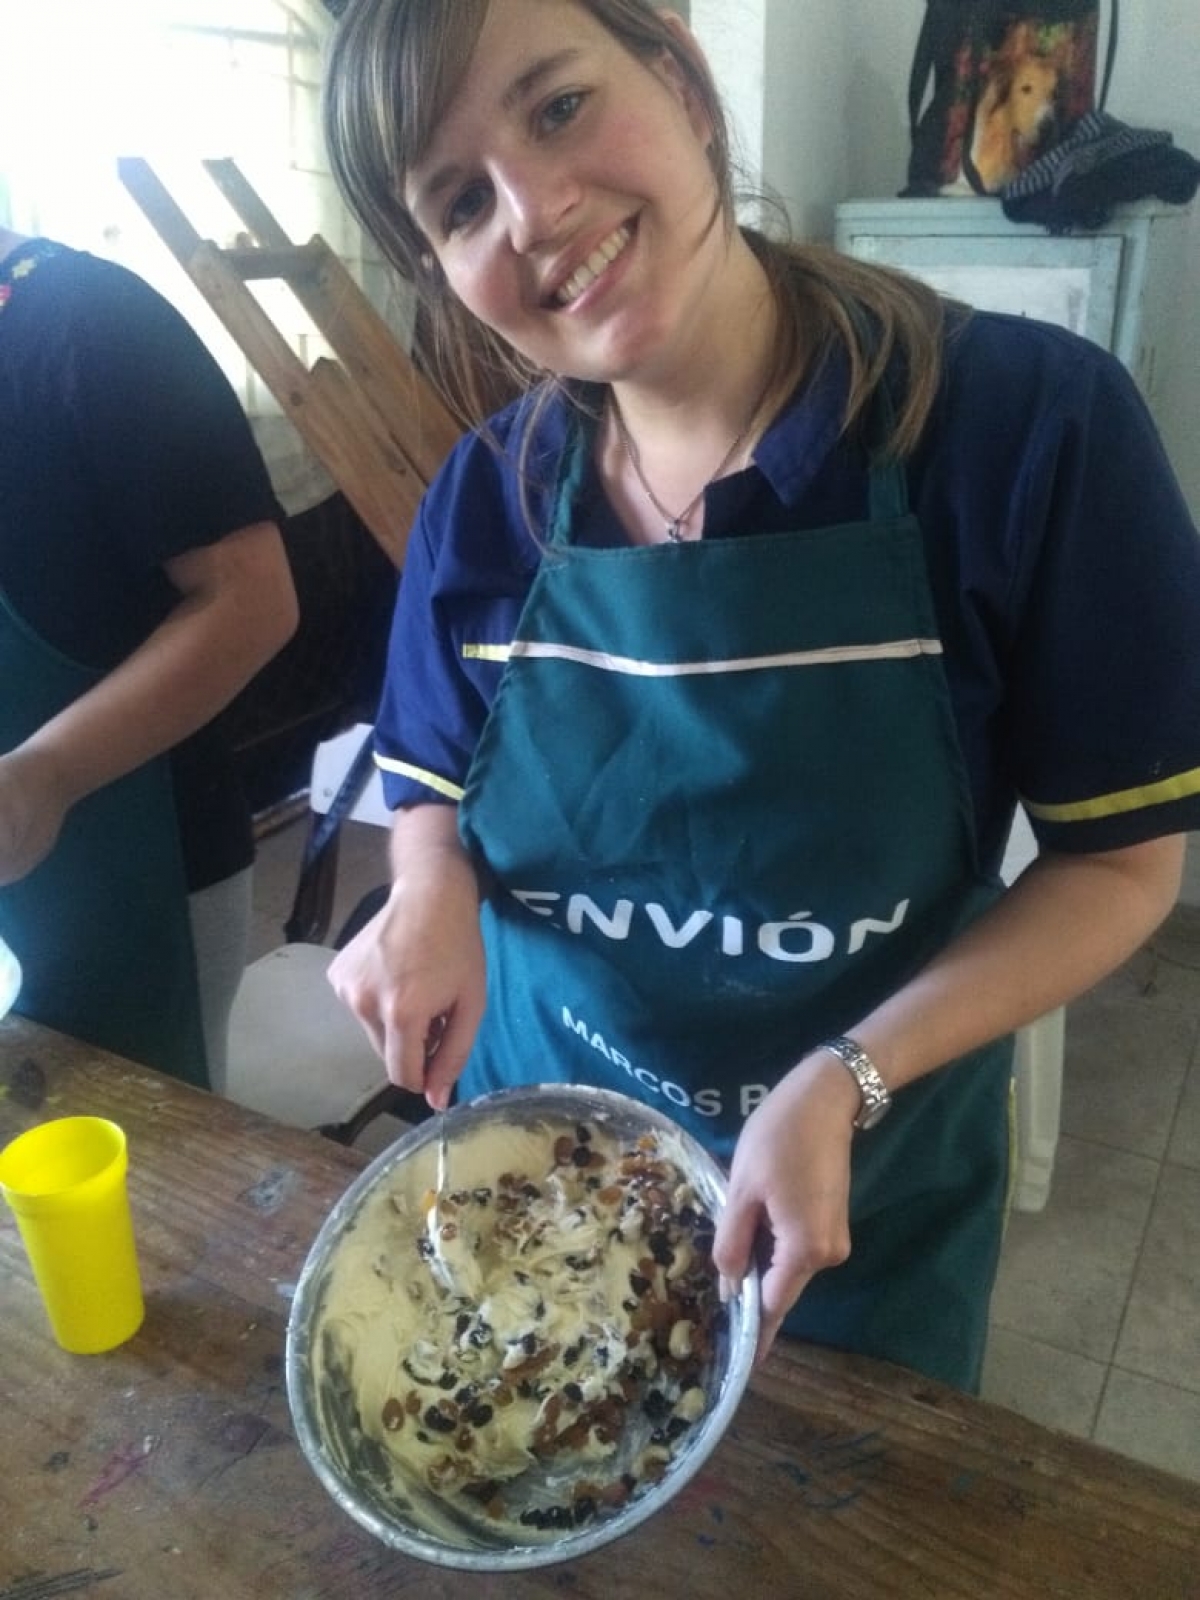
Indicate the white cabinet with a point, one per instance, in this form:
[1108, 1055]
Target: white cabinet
[1118, 285]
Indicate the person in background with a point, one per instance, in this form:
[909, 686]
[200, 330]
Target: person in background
[723, 657]
[143, 582]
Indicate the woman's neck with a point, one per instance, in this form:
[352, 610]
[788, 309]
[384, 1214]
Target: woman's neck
[667, 435]
[720, 368]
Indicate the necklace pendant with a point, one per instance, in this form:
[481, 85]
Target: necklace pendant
[673, 533]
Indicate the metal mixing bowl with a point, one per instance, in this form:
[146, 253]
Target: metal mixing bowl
[351, 1465]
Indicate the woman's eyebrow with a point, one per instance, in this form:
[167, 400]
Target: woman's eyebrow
[527, 83]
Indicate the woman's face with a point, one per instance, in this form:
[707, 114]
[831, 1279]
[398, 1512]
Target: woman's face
[568, 196]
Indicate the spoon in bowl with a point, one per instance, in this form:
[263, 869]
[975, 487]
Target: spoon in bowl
[451, 1259]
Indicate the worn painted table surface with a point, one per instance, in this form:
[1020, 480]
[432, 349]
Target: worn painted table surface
[167, 1470]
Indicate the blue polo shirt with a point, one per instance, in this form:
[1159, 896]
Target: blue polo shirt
[1063, 562]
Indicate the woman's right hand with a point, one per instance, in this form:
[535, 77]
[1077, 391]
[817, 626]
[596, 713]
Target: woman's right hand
[415, 975]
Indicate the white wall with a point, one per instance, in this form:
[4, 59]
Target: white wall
[818, 92]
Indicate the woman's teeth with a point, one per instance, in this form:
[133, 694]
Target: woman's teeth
[595, 264]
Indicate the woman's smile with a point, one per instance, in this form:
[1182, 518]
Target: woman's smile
[602, 257]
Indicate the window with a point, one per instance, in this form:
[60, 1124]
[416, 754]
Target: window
[178, 81]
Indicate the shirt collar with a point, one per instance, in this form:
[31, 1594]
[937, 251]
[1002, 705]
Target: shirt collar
[804, 434]
[790, 454]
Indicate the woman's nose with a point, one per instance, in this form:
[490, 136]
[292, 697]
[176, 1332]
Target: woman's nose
[537, 196]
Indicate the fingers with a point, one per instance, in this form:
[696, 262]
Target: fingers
[733, 1242]
[445, 1062]
[398, 1042]
[421, 1024]
[784, 1277]
[782, 1284]
[405, 1047]
[792, 1238]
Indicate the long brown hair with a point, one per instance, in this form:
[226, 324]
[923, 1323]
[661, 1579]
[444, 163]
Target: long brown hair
[393, 68]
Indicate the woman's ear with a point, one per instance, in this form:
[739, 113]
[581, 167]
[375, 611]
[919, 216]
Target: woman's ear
[683, 34]
[671, 71]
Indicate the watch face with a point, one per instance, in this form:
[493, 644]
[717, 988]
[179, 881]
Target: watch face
[871, 1114]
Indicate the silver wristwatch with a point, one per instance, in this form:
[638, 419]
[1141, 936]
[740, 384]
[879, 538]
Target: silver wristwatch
[876, 1100]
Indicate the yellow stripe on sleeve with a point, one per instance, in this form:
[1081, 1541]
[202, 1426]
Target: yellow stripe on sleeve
[486, 652]
[431, 780]
[1182, 786]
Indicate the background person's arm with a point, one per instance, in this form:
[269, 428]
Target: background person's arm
[237, 608]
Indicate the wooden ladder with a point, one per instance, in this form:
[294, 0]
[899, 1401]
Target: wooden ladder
[369, 416]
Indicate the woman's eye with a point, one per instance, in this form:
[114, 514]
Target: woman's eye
[562, 109]
[466, 206]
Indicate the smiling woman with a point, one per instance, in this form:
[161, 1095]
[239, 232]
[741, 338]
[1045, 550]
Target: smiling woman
[708, 804]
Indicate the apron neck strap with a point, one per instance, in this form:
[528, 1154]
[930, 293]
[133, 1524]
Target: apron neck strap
[887, 493]
[577, 449]
[887, 490]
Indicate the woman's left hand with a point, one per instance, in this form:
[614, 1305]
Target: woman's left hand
[790, 1183]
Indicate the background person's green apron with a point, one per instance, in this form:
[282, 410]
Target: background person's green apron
[101, 926]
[722, 799]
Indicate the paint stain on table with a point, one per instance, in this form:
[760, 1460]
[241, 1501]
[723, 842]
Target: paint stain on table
[25, 1084]
[272, 1190]
[832, 1470]
[49, 1586]
[124, 1461]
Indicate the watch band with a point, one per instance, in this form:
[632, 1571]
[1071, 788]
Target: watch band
[876, 1097]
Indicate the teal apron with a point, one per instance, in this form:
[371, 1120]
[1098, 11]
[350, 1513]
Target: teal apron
[101, 926]
[724, 813]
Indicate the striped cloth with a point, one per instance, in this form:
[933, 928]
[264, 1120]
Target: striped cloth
[1099, 164]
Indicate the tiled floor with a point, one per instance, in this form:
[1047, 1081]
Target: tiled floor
[1096, 1317]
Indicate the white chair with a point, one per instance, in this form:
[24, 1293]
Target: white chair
[1037, 1068]
[295, 1051]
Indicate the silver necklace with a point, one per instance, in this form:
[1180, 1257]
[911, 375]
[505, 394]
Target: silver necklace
[673, 525]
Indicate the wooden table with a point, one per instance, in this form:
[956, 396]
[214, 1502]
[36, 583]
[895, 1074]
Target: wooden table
[168, 1470]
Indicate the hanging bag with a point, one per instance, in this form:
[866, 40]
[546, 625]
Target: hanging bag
[1005, 84]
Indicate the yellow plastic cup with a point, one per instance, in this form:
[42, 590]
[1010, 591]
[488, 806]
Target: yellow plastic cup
[65, 1182]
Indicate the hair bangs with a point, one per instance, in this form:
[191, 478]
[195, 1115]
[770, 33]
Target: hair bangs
[391, 73]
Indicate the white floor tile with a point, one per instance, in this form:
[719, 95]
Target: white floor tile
[379, 1135]
[1152, 978]
[1184, 1148]
[1189, 894]
[1125, 1065]
[277, 862]
[1065, 1272]
[1152, 1422]
[1043, 1383]
[1167, 969]
[1160, 1336]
